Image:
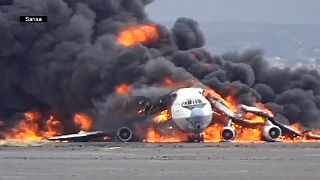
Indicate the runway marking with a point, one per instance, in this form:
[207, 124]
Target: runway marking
[112, 148]
[312, 155]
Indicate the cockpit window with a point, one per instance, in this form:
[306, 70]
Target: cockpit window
[192, 102]
[185, 103]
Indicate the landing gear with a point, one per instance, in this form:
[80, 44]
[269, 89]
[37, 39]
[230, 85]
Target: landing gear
[196, 138]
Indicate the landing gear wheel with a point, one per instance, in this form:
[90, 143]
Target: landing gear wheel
[196, 138]
[200, 138]
[191, 138]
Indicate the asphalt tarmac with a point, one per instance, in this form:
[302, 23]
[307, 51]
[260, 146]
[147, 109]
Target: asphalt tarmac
[173, 161]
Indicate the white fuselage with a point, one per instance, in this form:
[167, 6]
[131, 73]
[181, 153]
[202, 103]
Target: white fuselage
[191, 111]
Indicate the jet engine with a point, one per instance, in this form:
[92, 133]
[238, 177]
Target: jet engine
[228, 134]
[271, 132]
[124, 134]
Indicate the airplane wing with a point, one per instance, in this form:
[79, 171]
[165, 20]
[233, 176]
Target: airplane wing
[234, 116]
[255, 110]
[237, 119]
[122, 134]
[246, 123]
[286, 129]
[310, 135]
[81, 136]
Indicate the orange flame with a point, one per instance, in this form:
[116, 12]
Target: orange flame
[170, 83]
[164, 116]
[254, 118]
[54, 127]
[296, 127]
[83, 121]
[124, 89]
[264, 108]
[29, 128]
[154, 136]
[229, 101]
[212, 133]
[143, 34]
[247, 134]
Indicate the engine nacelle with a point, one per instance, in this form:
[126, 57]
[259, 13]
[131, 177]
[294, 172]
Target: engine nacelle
[271, 133]
[124, 134]
[228, 134]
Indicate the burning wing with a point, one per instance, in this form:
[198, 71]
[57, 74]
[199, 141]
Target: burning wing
[286, 130]
[310, 135]
[271, 128]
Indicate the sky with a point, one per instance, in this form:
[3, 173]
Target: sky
[248, 11]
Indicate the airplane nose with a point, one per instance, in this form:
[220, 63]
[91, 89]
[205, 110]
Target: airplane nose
[196, 119]
[196, 113]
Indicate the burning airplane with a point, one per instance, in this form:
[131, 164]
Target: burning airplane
[104, 69]
[192, 112]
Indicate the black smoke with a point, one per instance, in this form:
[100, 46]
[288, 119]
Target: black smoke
[73, 63]
[187, 35]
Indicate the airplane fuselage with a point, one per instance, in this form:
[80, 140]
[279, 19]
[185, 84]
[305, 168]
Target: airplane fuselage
[191, 111]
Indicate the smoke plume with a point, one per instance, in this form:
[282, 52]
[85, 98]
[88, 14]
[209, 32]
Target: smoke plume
[73, 64]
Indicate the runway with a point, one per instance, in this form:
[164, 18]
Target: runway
[174, 161]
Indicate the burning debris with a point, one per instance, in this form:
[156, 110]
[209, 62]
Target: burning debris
[101, 65]
[162, 117]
